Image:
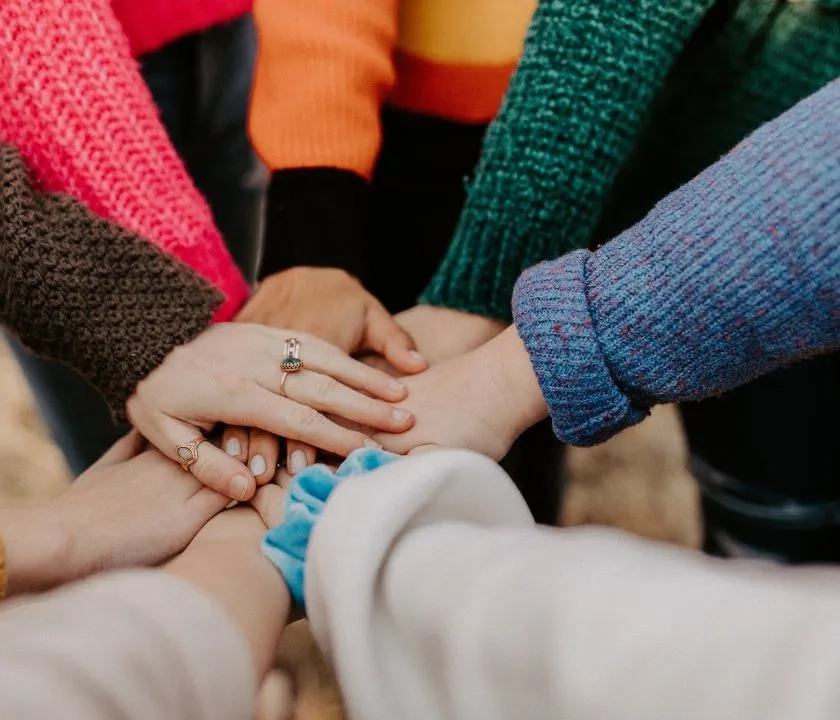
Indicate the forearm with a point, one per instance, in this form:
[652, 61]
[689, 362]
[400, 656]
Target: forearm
[134, 645]
[448, 571]
[37, 549]
[85, 292]
[92, 130]
[730, 277]
[575, 107]
[322, 74]
[241, 580]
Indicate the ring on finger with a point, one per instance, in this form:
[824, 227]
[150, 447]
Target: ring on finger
[282, 392]
[188, 452]
[291, 356]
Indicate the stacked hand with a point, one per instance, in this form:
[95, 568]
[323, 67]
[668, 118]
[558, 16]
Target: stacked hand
[232, 373]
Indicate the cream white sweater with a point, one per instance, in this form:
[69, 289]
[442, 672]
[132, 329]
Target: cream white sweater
[437, 598]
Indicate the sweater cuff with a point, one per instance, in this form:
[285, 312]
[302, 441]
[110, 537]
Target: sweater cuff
[316, 217]
[551, 312]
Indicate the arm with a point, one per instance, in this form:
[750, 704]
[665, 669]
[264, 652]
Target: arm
[190, 641]
[322, 74]
[576, 105]
[74, 105]
[728, 278]
[80, 290]
[447, 602]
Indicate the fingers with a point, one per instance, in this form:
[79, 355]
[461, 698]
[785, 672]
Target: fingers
[259, 407]
[298, 456]
[385, 336]
[124, 449]
[263, 449]
[269, 501]
[276, 698]
[235, 442]
[213, 467]
[321, 357]
[326, 394]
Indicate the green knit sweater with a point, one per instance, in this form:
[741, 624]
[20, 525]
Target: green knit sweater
[614, 104]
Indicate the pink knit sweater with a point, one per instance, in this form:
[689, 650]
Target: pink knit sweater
[74, 104]
[151, 24]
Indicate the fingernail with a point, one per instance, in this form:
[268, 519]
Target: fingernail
[297, 462]
[400, 415]
[417, 356]
[257, 465]
[239, 487]
[233, 447]
[396, 386]
[372, 444]
[231, 504]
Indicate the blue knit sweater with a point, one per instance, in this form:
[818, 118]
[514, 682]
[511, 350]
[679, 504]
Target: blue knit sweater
[731, 276]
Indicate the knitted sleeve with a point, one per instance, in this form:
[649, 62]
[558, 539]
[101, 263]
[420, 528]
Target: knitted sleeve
[74, 104]
[729, 277]
[323, 71]
[576, 104]
[78, 289]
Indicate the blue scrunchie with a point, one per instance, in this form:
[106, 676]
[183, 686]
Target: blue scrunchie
[286, 544]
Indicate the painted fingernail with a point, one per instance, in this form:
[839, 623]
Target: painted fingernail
[257, 465]
[396, 386]
[400, 415]
[417, 356]
[232, 447]
[239, 487]
[297, 462]
[372, 444]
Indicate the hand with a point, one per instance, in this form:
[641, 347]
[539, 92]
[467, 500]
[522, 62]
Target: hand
[133, 507]
[231, 374]
[442, 333]
[481, 401]
[332, 305]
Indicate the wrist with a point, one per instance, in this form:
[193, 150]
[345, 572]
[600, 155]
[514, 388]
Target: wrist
[40, 550]
[516, 386]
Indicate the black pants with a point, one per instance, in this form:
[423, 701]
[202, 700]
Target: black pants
[767, 458]
[201, 83]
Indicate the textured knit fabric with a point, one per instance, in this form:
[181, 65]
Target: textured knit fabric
[151, 24]
[580, 96]
[286, 544]
[80, 290]
[131, 645]
[75, 106]
[636, 98]
[325, 69]
[733, 275]
[434, 596]
[324, 72]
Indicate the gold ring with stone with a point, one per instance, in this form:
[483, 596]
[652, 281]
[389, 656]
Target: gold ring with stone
[188, 452]
[291, 357]
[283, 383]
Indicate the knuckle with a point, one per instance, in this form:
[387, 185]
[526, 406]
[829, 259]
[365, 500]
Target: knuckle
[325, 386]
[307, 417]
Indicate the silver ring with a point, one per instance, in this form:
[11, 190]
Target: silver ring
[291, 356]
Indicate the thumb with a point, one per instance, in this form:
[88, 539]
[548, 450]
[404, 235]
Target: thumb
[385, 336]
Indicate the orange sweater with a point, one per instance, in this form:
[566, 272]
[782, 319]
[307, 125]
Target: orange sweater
[325, 69]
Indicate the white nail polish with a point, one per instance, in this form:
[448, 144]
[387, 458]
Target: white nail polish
[400, 415]
[257, 465]
[417, 356]
[396, 386]
[371, 443]
[297, 462]
[233, 447]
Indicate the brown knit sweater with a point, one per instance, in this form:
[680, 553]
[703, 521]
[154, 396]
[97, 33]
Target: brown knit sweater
[80, 290]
